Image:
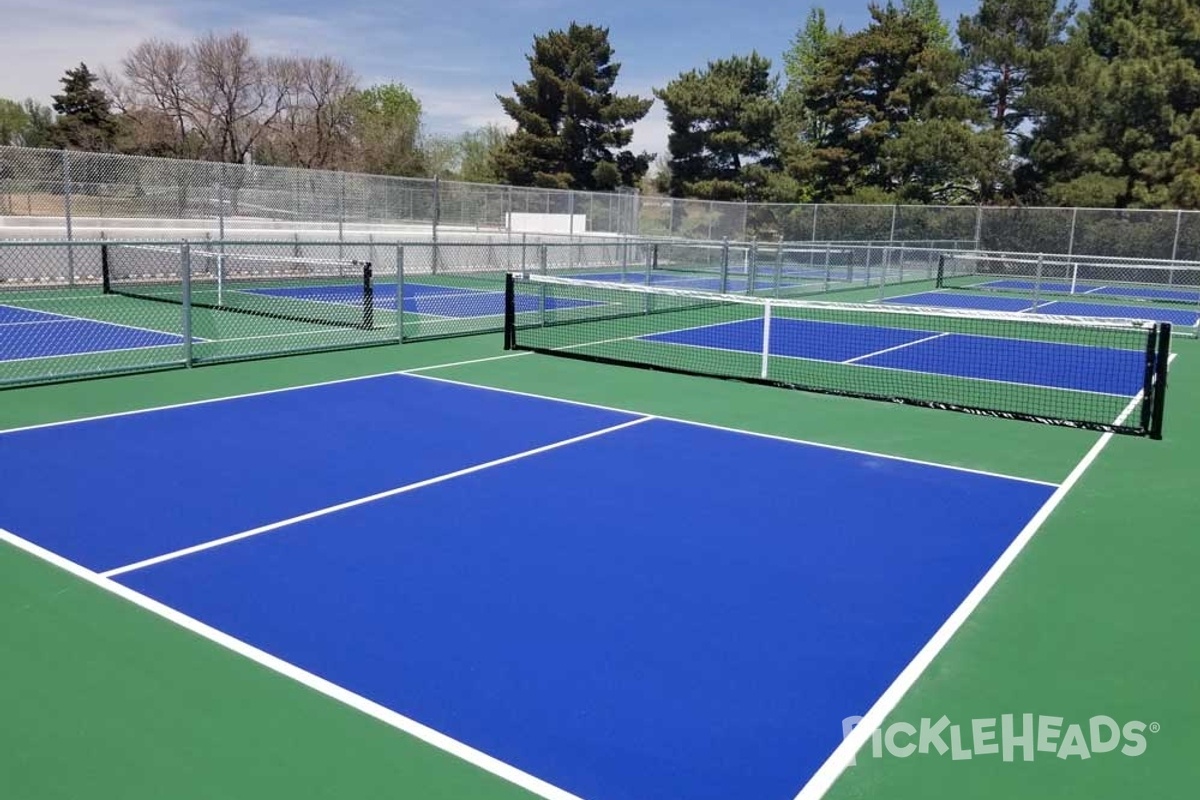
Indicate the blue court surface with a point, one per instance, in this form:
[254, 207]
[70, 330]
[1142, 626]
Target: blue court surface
[429, 300]
[1070, 308]
[1181, 295]
[622, 606]
[59, 335]
[1015, 361]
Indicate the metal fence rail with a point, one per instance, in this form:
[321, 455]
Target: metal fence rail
[84, 308]
[73, 195]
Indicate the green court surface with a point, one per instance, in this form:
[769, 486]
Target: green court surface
[1097, 615]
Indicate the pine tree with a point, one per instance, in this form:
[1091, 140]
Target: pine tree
[572, 129]
[1003, 45]
[723, 119]
[895, 118]
[1119, 113]
[85, 119]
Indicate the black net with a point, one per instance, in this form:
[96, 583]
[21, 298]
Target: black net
[1106, 375]
[330, 292]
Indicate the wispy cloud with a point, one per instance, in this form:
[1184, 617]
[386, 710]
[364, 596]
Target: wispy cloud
[41, 38]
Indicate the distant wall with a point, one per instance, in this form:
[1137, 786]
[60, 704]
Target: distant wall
[546, 223]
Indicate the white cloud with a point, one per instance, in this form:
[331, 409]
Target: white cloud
[40, 39]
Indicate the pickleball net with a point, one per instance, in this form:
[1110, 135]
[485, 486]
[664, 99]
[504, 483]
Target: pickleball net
[329, 292]
[1098, 374]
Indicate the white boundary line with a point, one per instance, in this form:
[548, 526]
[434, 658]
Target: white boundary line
[176, 345]
[362, 501]
[60, 320]
[856, 359]
[372, 709]
[726, 429]
[828, 773]
[280, 390]
[415, 372]
[66, 317]
[649, 338]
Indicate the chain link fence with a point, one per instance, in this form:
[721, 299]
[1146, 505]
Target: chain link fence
[75, 195]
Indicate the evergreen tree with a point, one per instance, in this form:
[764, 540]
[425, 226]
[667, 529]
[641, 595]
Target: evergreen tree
[1119, 113]
[722, 119]
[572, 128]
[930, 15]
[1003, 44]
[85, 119]
[895, 118]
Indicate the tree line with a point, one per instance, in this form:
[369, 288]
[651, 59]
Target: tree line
[215, 98]
[1022, 101]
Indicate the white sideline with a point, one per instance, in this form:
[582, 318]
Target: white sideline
[361, 501]
[842, 757]
[372, 709]
[280, 390]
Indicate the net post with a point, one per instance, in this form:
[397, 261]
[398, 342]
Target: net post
[884, 263]
[651, 265]
[827, 268]
[368, 322]
[1159, 388]
[510, 315]
[766, 337]
[185, 278]
[105, 269]
[624, 258]
[400, 293]
[752, 268]
[778, 264]
[1037, 284]
[725, 266]
[940, 283]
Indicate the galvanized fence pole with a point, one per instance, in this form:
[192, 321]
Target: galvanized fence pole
[66, 173]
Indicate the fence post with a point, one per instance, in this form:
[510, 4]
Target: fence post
[400, 293]
[437, 213]
[816, 208]
[1071, 241]
[66, 168]
[979, 227]
[185, 277]
[341, 211]
[1178, 227]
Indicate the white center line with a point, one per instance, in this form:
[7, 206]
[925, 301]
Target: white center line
[893, 349]
[274, 526]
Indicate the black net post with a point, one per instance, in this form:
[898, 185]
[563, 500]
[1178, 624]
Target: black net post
[1159, 392]
[510, 314]
[941, 271]
[368, 297]
[105, 280]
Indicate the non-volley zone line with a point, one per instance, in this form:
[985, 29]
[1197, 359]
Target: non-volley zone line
[1023, 362]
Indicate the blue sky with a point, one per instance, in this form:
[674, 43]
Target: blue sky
[455, 54]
